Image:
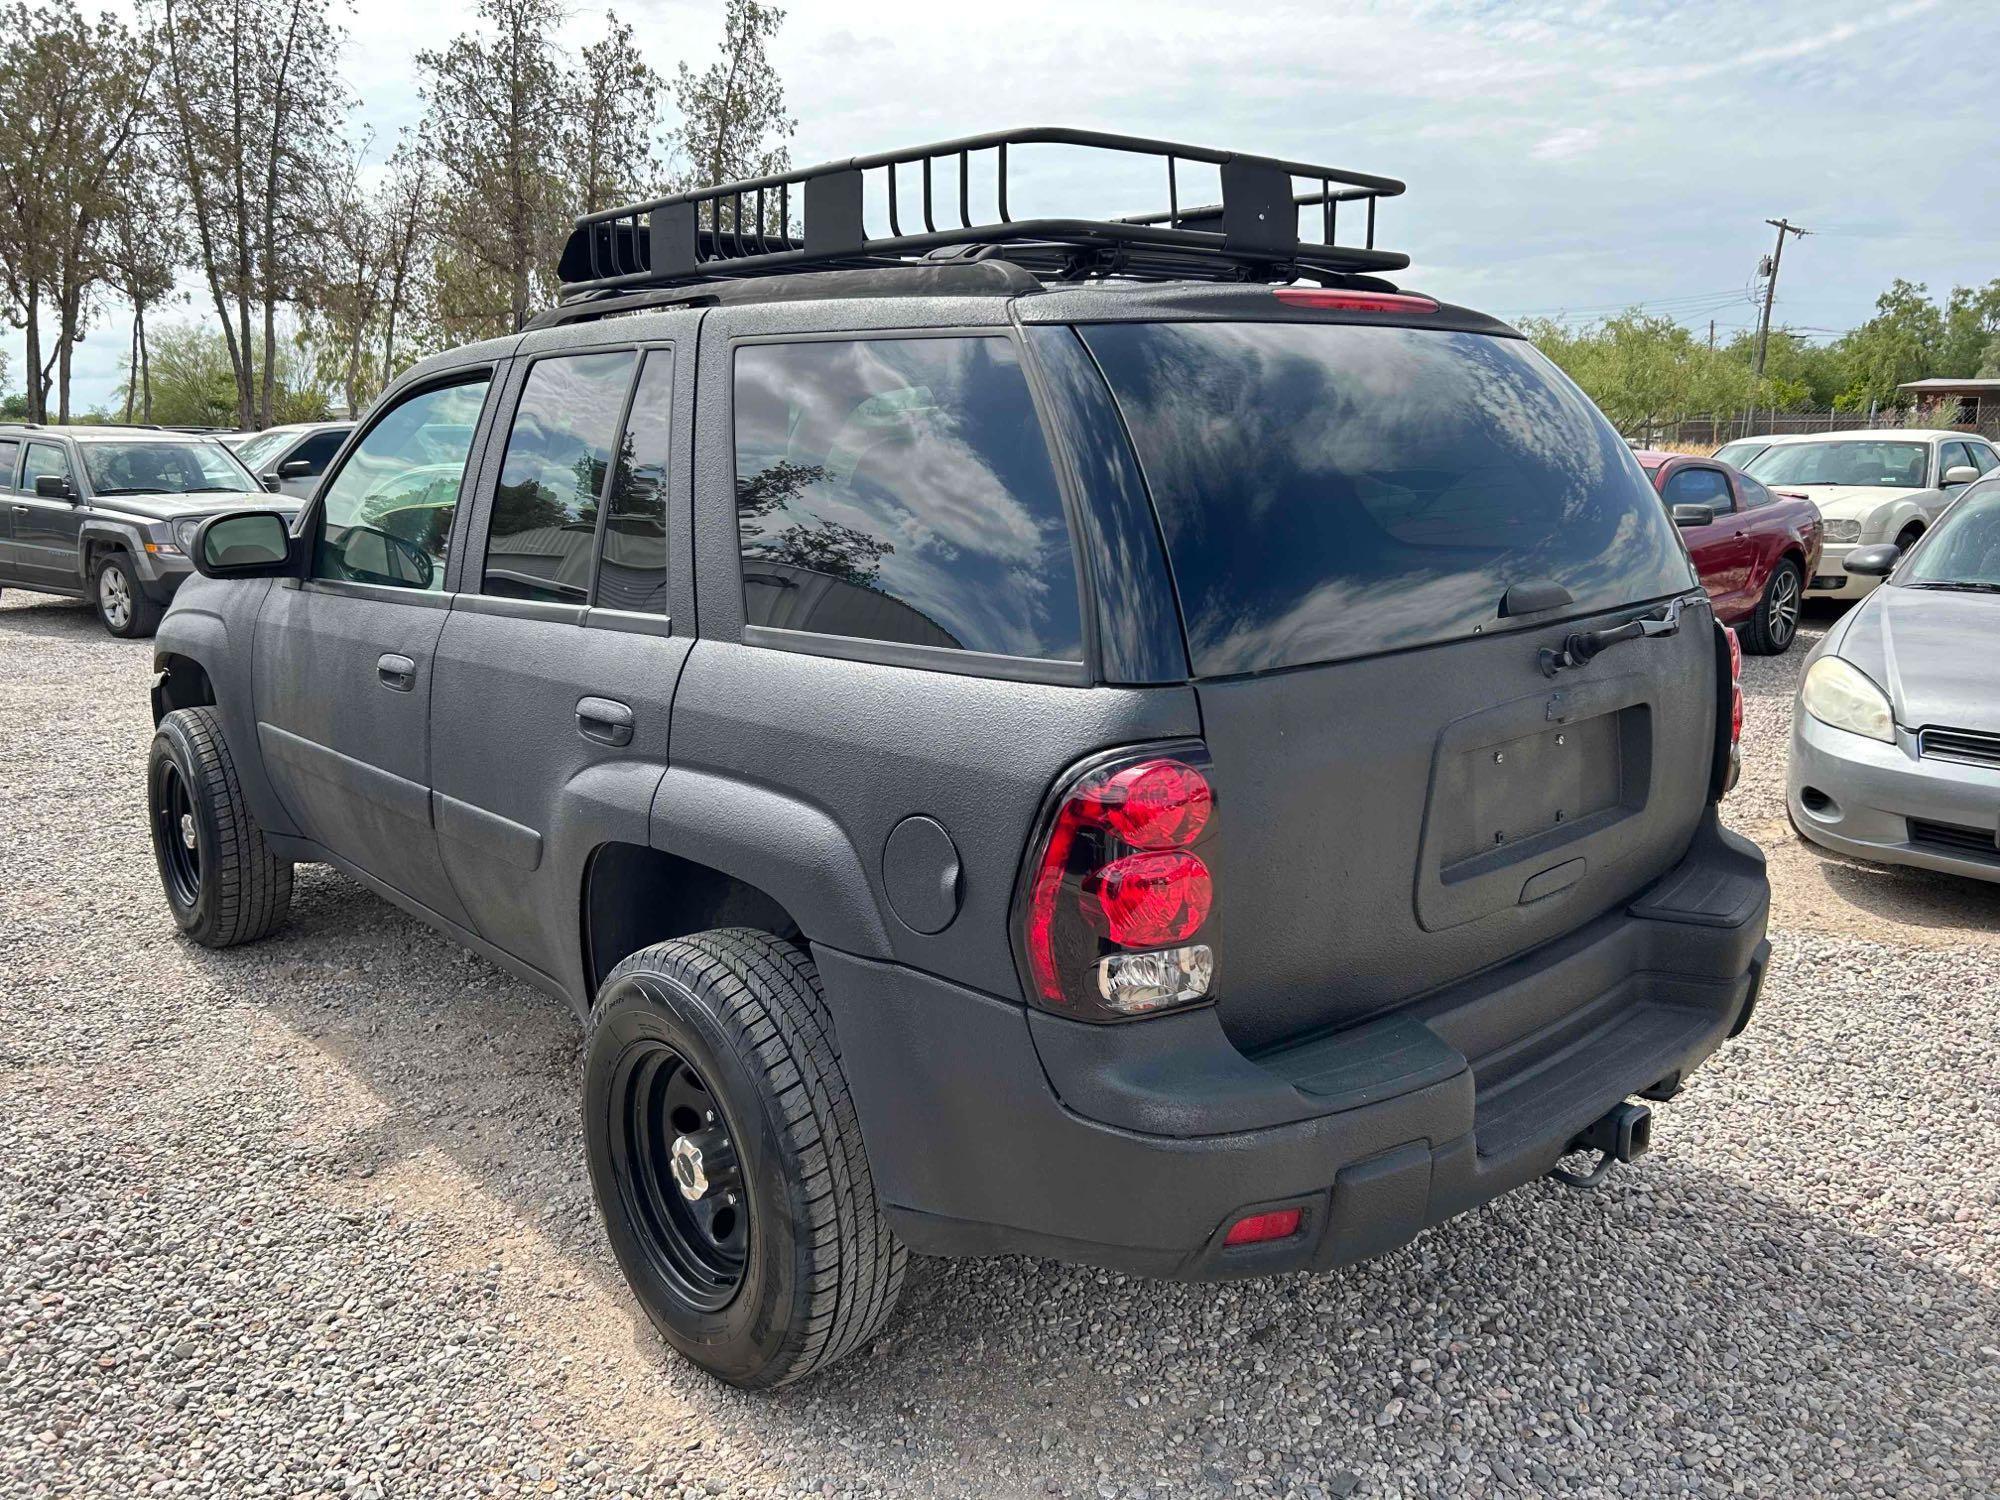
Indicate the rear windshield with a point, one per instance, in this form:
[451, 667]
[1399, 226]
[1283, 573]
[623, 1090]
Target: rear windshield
[1331, 491]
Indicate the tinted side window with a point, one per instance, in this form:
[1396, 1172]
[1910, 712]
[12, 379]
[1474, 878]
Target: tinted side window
[1951, 456]
[901, 490]
[43, 458]
[317, 451]
[632, 571]
[545, 508]
[387, 513]
[10, 458]
[1699, 487]
[1983, 457]
[1754, 494]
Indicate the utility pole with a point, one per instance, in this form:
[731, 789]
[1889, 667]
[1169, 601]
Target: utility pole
[1711, 334]
[1784, 227]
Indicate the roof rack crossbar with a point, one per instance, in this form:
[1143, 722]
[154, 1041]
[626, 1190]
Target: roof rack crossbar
[692, 237]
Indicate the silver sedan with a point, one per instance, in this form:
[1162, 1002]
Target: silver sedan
[1896, 747]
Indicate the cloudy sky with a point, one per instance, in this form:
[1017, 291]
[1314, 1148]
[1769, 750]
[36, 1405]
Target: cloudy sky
[1562, 158]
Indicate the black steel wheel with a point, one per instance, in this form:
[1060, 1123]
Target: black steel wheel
[727, 1160]
[223, 885]
[678, 1175]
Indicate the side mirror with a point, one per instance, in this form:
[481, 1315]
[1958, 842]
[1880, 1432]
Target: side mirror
[243, 544]
[1694, 515]
[273, 483]
[52, 487]
[1878, 561]
[1960, 474]
[295, 468]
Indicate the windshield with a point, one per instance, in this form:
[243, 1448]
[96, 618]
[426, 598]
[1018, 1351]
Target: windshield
[1331, 490]
[1889, 466]
[1740, 452]
[265, 445]
[162, 467]
[1963, 549]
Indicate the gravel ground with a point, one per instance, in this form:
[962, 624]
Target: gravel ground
[311, 1218]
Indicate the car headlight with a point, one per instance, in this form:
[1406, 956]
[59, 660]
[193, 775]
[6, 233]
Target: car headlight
[184, 531]
[1840, 694]
[1843, 531]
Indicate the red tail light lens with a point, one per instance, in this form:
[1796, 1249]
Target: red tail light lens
[1116, 907]
[1151, 900]
[1261, 1229]
[1735, 686]
[1333, 299]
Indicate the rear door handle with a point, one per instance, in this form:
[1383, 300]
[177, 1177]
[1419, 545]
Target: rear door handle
[397, 673]
[604, 720]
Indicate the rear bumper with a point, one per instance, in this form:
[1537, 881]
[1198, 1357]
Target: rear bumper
[1872, 801]
[994, 1129]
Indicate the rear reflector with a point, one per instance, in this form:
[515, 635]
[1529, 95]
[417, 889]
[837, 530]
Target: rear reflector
[1332, 299]
[1259, 1229]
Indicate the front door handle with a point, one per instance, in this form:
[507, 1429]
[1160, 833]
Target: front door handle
[604, 720]
[397, 673]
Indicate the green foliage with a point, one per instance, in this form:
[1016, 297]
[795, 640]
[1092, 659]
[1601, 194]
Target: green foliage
[1644, 370]
[194, 380]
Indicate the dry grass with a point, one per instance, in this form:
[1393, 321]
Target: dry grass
[1698, 450]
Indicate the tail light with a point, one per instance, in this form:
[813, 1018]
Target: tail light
[1729, 757]
[1335, 300]
[1117, 904]
[1735, 686]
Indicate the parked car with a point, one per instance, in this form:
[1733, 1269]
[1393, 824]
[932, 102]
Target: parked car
[1179, 774]
[1740, 452]
[1896, 744]
[107, 513]
[291, 458]
[1753, 548]
[1881, 485]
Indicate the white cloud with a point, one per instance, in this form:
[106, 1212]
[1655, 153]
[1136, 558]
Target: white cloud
[1557, 155]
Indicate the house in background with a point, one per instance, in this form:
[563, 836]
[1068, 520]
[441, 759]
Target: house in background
[1978, 401]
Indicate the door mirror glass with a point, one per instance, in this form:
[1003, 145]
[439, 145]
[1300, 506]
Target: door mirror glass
[1694, 515]
[243, 544]
[1960, 474]
[51, 487]
[1877, 561]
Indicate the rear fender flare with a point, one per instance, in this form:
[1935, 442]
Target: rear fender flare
[792, 850]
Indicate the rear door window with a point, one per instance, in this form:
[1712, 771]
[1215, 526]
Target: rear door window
[10, 459]
[1331, 491]
[901, 490]
[544, 529]
[632, 572]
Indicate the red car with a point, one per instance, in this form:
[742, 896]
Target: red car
[1753, 547]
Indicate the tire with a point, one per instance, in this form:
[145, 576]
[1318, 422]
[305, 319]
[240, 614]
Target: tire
[225, 887]
[122, 606]
[721, 1043]
[1907, 537]
[1774, 625]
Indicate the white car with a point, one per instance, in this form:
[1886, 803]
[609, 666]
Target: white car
[1883, 485]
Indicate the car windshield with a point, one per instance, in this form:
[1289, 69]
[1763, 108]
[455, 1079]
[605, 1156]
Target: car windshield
[162, 466]
[256, 450]
[1331, 491]
[1889, 466]
[1740, 453]
[1963, 549]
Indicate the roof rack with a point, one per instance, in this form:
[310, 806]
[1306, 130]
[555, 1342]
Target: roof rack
[813, 220]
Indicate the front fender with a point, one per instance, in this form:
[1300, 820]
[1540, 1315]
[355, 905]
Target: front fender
[791, 850]
[122, 534]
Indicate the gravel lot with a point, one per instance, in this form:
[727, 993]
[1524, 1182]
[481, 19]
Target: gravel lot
[311, 1218]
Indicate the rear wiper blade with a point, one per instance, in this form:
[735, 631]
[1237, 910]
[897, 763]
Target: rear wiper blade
[1581, 645]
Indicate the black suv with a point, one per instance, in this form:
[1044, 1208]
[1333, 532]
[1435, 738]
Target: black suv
[108, 513]
[1125, 740]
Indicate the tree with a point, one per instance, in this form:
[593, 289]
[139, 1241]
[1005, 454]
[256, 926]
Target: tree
[194, 379]
[73, 97]
[614, 140]
[733, 120]
[253, 106]
[144, 247]
[495, 106]
[1644, 371]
